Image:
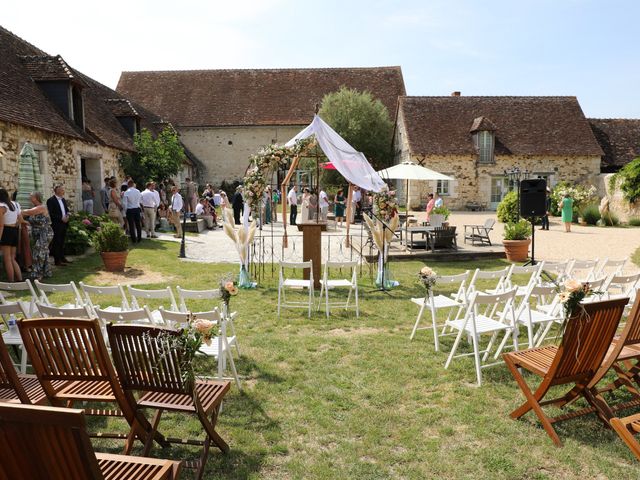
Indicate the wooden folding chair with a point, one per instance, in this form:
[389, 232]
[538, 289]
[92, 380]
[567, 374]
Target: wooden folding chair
[148, 366]
[73, 350]
[575, 361]
[49, 443]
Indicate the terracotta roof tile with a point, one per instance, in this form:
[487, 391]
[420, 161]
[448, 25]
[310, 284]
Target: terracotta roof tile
[121, 107]
[253, 97]
[47, 67]
[619, 138]
[524, 125]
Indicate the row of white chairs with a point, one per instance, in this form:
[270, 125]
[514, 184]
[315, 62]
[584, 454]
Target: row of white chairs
[136, 311]
[326, 283]
[506, 307]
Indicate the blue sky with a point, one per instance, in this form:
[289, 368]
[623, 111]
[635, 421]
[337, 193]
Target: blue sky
[586, 48]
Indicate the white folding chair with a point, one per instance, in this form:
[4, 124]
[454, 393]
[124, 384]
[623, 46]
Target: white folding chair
[215, 296]
[442, 302]
[532, 273]
[48, 288]
[532, 316]
[583, 270]
[221, 343]
[498, 277]
[327, 284]
[116, 291]
[556, 270]
[12, 288]
[12, 337]
[621, 286]
[83, 311]
[611, 267]
[157, 294]
[295, 284]
[141, 316]
[475, 324]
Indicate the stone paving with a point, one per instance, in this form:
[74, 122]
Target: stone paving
[582, 243]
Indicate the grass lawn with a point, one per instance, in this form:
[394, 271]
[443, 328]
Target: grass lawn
[354, 398]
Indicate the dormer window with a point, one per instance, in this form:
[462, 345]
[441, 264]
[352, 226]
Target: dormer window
[77, 106]
[484, 139]
[485, 143]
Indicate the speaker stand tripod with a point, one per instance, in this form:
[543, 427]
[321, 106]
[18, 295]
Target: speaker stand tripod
[533, 242]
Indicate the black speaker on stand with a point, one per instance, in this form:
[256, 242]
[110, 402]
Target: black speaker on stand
[533, 199]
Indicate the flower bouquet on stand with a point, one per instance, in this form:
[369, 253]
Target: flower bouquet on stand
[382, 230]
[427, 278]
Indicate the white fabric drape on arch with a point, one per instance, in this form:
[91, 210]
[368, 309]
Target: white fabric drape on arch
[351, 164]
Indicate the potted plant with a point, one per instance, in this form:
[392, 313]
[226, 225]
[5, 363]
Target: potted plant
[444, 212]
[517, 240]
[112, 244]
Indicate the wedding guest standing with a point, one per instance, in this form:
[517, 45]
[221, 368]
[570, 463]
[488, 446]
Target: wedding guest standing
[115, 203]
[238, 204]
[41, 234]
[431, 204]
[104, 195]
[292, 198]
[150, 202]
[192, 195]
[338, 202]
[324, 205]
[9, 222]
[438, 200]
[88, 194]
[59, 214]
[133, 198]
[547, 209]
[304, 204]
[174, 210]
[566, 207]
[224, 203]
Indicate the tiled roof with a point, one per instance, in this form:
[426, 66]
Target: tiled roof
[47, 67]
[23, 102]
[524, 125]
[253, 97]
[482, 124]
[619, 138]
[121, 107]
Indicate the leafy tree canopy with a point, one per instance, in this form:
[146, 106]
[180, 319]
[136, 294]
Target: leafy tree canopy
[363, 121]
[629, 180]
[155, 158]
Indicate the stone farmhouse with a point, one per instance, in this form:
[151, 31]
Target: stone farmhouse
[78, 127]
[475, 139]
[225, 116]
[619, 139]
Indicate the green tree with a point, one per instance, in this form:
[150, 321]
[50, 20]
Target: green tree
[629, 180]
[155, 158]
[363, 121]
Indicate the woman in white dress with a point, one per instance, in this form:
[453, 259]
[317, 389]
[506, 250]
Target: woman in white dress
[306, 195]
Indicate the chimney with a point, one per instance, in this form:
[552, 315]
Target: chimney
[455, 94]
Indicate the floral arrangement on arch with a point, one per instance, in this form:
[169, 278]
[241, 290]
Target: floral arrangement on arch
[385, 203]
[268, 159]
[427, 277]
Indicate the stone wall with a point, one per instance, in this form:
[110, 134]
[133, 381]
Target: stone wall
[225, 151]
[617, 204]
[60, 160]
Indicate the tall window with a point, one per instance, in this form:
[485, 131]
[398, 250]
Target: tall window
[484, 144]
[442, 187]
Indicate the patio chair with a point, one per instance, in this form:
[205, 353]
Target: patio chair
[493, 322]
[479, 233]
[10, 337]
[69, 288]
[442, 237]
[66, 451]
[575, 361]
[17, 387]
[441, 302]
[161, 387]
[13, 288]
[295, 284]
[221, 343]
[165, 294]
[351, 284]
[114, 292]
[74, 351]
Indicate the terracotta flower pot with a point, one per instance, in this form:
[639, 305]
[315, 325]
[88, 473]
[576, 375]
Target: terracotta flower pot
[114, 261]
[517, 250]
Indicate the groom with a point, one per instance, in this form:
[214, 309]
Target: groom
[59, 213]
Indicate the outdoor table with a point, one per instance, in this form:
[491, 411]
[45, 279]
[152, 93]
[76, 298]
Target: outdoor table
[422, 231]
[14, 338]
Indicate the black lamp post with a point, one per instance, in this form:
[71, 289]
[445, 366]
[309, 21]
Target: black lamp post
[515, 175]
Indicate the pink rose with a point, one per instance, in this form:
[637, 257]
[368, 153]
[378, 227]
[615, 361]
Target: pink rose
[203, 326]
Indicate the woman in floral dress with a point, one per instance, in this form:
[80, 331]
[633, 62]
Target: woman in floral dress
[41, 234]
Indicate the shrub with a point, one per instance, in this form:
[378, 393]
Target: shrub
[508, 208]
[628, 178]
[610, 220]
[581, 194]
[591, 214]
[442, 211]
[110, 238]
[82, 226]
[520, 230]
[634, 222]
